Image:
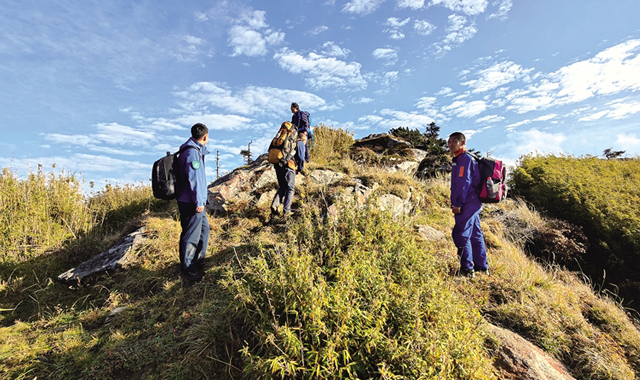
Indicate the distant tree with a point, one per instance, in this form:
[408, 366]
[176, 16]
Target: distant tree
[438, 159]
[411, 135]
[246, 153]
[611, 154]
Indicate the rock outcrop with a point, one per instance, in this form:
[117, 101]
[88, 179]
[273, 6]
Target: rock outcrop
[117, 257]
[519, 359]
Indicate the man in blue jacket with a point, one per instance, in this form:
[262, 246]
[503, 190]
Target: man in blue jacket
[465, 205]
[192, 199]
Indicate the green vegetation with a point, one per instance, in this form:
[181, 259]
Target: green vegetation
[602, 196]
[360, 295]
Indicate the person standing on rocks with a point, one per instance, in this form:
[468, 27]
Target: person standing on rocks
[301, 120]
[466, 207]
[192, 199]
[284, 147]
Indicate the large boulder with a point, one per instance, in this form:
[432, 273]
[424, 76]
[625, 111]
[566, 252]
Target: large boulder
[519, 359]
[240, 183]
[395, 205]
[118, 257]
[381, 141]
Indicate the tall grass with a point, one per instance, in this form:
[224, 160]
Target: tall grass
[44, 210]
[330, 144]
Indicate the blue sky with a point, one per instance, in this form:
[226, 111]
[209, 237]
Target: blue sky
[103, 89]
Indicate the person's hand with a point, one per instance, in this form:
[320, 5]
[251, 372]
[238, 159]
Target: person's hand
[199, 209]
[455, 210]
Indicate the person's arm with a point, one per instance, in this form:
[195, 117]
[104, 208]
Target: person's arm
[195, 175]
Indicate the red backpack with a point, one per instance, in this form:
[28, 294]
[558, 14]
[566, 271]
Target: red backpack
[493, 174]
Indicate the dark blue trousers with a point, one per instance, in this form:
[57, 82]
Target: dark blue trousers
[286, 187]
[194, 237]
[468, 237]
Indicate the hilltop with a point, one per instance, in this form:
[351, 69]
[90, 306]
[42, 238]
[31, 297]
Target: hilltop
[360, 284]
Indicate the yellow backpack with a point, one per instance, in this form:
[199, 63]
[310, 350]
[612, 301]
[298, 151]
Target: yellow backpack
[283, 145]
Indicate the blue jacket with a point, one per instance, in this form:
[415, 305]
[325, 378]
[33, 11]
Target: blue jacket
[301, 120]
[465, 178]
[193, 176]
[301, 154]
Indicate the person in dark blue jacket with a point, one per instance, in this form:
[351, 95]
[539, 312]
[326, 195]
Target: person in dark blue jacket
[192, 200]
[466, 207]
[301, 120]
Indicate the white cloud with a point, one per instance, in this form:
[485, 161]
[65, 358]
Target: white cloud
[461, 108]
[535, 141]
[490, 119]
[610, 72]
[413, 4]
[191, 40]
[362, 7]
[393, 119]
[446, 91]
[79, 162]
[217, 121]
[513, 126]
[251, 100]
[81, 140]
[504, 6]
[320, 71]
[247, 38]
[395, 24]
[318, 29]
[546, 117]
[116, 134]
[617, 110]
[628, 142]
[426, 102]
[362, 100]
[330, 49]
[390, 55]
[497, 75]
[457, 33]
[423, 28]
[470, 7]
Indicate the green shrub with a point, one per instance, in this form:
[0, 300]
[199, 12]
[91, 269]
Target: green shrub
[357, 299]
[601, 196]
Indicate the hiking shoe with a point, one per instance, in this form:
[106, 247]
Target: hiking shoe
[467, 272]
[192, 275]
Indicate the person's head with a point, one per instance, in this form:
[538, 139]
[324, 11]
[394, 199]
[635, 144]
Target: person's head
[457, 142]
[200, 133]
[303, 136]
[295, 107]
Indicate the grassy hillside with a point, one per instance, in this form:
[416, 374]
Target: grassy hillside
[360, 297]
[602, 196]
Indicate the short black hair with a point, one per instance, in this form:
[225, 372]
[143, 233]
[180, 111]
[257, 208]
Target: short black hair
[296, 106]
[199, 130]
[458, 136]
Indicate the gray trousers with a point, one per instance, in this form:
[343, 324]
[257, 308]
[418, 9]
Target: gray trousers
[286, 187]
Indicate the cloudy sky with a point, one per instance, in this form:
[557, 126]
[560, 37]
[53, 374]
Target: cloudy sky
[103, 89]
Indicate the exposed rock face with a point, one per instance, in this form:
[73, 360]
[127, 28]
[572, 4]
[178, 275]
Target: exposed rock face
[117, 257]
[519, 359]
[240, 183]
[325, 177]
[383, 140]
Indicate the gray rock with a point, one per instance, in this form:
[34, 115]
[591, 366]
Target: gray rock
[409, 167]
[114, 313]
[266, 198]
[420, 154]
[238, 185]
[395, 205]
[326, 177]
[522, 360]
[429, 233]
[383, 140]
[117, 257]
[267, 177]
